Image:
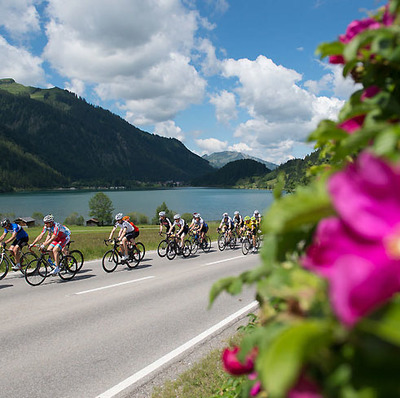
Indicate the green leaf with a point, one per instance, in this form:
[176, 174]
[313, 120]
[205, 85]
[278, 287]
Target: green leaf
[333, 48]
[280, 363]
[220, 286]
[351, 51]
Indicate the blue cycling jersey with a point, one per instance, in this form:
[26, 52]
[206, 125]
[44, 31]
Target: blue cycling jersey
[15, 228]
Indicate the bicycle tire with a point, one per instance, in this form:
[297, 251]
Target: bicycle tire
[4, 264]
[206, 244]
[142, 249]
[134, 257]
[68, 267]
[245, 246]
[36, 272]
[109, 261]
[26, 258]
[162, 248]
[78, 255]
[194, 245]
[221, 242]
[232, 242]
[171, 250]
[187, 248]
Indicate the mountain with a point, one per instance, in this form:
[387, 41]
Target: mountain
[220, 159]
[53, 138]
[232, 173]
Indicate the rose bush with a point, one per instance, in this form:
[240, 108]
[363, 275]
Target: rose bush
[329, 282]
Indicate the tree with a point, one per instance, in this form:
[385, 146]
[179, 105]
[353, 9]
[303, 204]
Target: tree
[74, 219]
[101, 207]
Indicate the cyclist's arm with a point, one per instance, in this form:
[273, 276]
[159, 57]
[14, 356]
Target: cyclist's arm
[3, 236]
[111, 233]
[49, 239]
[14, 234]
[122, 233]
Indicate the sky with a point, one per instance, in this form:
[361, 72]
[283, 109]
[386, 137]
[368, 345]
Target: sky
[219, 75]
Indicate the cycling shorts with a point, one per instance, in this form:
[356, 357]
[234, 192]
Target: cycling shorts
[185, 230]
[204, 228]
[60, 243]
[20, 242]
[132, 235]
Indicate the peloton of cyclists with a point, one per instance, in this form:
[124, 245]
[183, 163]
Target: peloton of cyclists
[127, 233]
[58, 237]
[19, 239]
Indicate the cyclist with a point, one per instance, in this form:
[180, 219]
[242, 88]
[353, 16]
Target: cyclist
[126, 233]
[18, 236]
[135, 232]
[253, 231]
[164, 222]
[238, 222]
[192, 225]
[257, 215]
[200, 226]
[226, 224]
[183, 228]
[58, 237]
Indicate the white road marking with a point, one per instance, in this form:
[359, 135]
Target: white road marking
[222, 261]
[116, 285]
[112, 392]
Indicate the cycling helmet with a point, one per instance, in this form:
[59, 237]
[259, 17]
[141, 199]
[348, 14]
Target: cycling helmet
[247, 218]
[5, 222]
[236, 213]
[161, 213]
[197, 215]
[256, 212]
[48, 218]
[225, 215]
[177, 216]
[253, 218]
[118, 216]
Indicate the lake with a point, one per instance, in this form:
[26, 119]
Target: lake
[211, 203]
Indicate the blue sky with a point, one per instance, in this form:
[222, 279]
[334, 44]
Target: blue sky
[216, 74]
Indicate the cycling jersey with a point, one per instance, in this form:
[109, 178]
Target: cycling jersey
[181, 225]
[165, 222]
[238, 220]
[200, 224]
[228, 222]
[16, 228]
[61, 231]
[125, 224]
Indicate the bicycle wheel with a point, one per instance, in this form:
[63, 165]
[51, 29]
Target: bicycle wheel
[187, 248]
[141, 249]
[68, 267]
[4, 266]
[36, 271]
[206, 244]
[193, 242]
[245, 246]
[77, 254]
[162, 248]
[221, 242]
[134, 257]
[110, 261]
[26, 258]
[232, 242]
[171, 250]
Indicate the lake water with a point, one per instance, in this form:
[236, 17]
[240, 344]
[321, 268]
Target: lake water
[211, 203]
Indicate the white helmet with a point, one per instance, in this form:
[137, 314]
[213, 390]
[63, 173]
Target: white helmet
[177, 216]
[118, 216]
[256, 212]
[236, 213]
[197, 215]
[225, 215]
[48, 218]
[161, 213]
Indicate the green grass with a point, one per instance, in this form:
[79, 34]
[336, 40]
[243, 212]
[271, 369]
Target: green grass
[90, 240]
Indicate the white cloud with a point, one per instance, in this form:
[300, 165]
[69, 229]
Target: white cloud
[169, 129]
[19, 64]
[19, 16]
[135, 50]
[76, 86]
[225, 106]
[210, 145]
[240, 147]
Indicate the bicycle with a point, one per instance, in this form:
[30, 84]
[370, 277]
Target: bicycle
[247, 243]
[174, 249]
[37, 270]
[77, 254]
[225, 240]
[112, 258]
[6, 261]
[197, 242]
[162, 246]
[138, 249]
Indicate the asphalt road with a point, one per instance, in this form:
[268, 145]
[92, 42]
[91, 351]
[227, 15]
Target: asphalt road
[97, 335]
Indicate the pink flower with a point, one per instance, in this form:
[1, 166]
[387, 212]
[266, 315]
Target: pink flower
[337, 59]
[388, 18]
[356, 27]
[358, 251]
[233, 366]
[353, 124]
[370, 92]
[304, 388]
